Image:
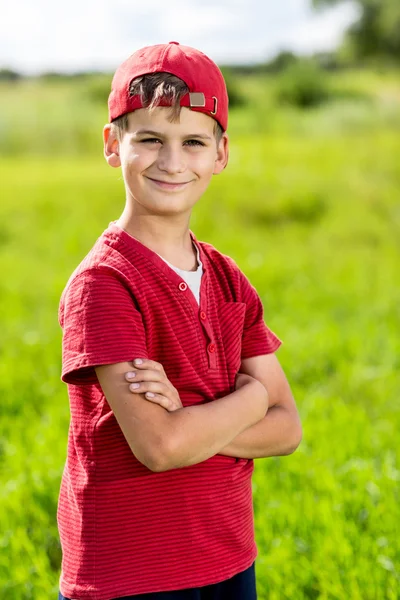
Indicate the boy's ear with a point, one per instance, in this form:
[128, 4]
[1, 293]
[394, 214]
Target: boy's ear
[222, 154]
[111, 147]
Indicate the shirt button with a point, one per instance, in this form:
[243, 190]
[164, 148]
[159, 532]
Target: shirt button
[203, 315]
[211, 347]
[182, 286]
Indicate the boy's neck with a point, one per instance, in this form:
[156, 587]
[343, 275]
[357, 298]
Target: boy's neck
[172, 242]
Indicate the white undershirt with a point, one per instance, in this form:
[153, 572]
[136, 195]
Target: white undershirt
[192, 278]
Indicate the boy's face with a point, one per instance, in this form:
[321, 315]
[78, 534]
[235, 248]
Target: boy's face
[166, 166]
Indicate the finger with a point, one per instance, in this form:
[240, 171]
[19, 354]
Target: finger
[146, 363]
[144, 375]
[150, 386]
[159, 399]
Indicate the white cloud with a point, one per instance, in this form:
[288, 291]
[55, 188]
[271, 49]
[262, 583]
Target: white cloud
[196, 21]
[97, 34]
[322, 30]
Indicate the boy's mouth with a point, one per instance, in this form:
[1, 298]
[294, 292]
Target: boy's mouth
[168, 185]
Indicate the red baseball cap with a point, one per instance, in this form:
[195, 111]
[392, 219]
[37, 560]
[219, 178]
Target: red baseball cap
[207, 88]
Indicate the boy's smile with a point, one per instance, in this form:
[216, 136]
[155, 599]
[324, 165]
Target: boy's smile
[168, 185]
[166, 165]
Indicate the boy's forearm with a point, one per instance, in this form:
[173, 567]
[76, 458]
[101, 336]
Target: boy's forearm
[198, 432]
[277, 434]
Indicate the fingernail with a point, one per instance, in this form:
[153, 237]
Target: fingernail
[138, 361]
[134, 386]
[150, 395]
[130, 375]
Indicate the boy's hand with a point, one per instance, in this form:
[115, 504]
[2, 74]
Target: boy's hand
[151, 377]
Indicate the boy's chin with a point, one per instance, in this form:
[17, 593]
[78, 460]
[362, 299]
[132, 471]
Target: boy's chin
[168, 204]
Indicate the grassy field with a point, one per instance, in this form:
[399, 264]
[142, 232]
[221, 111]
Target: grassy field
[309, 208]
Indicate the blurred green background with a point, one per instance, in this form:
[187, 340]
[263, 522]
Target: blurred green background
[309, 209]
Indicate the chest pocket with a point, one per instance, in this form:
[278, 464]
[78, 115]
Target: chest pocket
[231, 319]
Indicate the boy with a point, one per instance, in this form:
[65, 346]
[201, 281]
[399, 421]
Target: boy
[155, 499]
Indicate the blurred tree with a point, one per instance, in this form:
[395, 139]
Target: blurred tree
[236, 97]
[303, 84]
[377, 31]
[281, 61]
[9, 75]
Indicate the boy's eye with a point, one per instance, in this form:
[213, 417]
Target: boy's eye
[194, 143]
[151, 140]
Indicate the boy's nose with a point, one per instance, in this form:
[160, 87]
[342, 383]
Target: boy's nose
[171, 160]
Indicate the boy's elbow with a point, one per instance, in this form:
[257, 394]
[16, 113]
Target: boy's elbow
[168, 450]
[159, 464]
[297, 436]
[173, 453]
[160, 457]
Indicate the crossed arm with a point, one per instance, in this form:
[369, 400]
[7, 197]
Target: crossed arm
[279, 432]
[258, 419]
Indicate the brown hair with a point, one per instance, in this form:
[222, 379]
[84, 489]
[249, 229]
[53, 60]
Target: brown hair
[153, 88]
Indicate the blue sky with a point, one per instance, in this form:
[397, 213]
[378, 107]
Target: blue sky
[74, 35]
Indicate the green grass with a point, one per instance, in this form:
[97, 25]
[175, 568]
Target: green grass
[309, 209]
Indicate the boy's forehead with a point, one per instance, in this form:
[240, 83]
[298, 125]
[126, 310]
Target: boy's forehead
[159, 119]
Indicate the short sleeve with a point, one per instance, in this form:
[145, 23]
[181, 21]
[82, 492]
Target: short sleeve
[257, 338]
[101, 325]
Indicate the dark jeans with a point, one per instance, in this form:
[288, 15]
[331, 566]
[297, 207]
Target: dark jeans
[240, 587]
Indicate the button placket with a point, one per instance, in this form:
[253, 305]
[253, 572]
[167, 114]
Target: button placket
[212, 355]
[204, 319]
[205, 323]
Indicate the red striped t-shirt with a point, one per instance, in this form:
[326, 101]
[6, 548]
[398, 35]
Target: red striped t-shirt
[124, 529]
